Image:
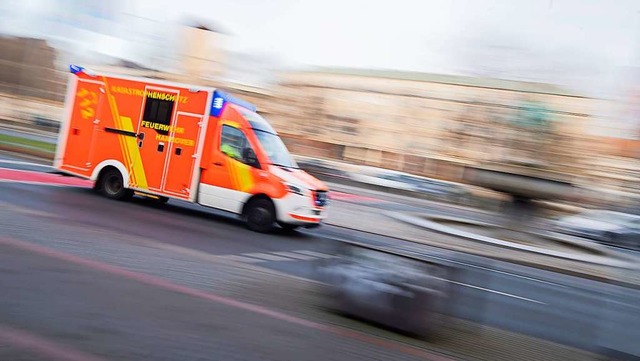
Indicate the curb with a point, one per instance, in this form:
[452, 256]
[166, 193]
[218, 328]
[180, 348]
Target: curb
[607, 278]
[569, 240]
[433, 226]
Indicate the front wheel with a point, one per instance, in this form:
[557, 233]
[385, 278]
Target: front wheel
[111, 185]
[260, 215]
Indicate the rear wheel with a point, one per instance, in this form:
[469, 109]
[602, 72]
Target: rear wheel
[260, 215]
[111, 185]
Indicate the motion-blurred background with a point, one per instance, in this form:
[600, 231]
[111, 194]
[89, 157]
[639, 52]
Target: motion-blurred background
[420, 87]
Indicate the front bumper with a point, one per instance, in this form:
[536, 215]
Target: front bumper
[299, 210]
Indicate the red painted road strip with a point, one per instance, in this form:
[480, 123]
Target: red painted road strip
[48, 349]
[31, 177]
[26, 176]
[174, 287]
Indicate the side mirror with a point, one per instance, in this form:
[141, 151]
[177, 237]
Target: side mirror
[249, 157]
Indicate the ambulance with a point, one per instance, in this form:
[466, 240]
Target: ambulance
[198, 144]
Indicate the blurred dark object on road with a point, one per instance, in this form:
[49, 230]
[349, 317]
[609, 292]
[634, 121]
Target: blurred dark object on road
[404, 293]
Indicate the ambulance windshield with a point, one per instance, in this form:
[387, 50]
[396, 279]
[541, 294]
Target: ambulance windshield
[269, 140]
[275, 148]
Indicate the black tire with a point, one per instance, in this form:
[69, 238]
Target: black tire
[260, 215]
[288, 226]
[111, 185]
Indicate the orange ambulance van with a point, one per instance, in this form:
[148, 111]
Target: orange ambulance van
[198, 144]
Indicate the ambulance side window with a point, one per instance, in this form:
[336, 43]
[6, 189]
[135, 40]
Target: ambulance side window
[158, 111]
[233, 142]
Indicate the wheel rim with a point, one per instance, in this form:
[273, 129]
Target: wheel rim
[113, 185]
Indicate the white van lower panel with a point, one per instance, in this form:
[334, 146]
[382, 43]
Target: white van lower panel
[222, 198]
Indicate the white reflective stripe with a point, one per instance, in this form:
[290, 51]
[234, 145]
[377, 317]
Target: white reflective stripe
[267, 256]
[295, 256]
[315, 254]
[497, 292]
[237, 258]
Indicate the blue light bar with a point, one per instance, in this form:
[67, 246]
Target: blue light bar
[220, 99]
[75, 69]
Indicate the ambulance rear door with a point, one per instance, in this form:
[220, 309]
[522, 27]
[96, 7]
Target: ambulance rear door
[170, 132]
[181, 162]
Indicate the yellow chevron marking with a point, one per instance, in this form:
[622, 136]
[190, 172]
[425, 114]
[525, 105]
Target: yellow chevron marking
[245, 180]
[233, 124]
[240, 175]
[87, 102]
[88, 113]
[128, 145]
[134, 153]
[82, 92]
[232, 174]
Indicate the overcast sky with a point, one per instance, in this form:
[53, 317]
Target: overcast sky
[581, 43]
[416, 34]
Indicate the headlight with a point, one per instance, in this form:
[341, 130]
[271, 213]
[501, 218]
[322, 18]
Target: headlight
[292, 188]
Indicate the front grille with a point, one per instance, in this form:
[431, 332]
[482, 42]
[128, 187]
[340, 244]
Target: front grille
[320, 198]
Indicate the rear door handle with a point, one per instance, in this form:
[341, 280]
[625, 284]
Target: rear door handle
[217, 164]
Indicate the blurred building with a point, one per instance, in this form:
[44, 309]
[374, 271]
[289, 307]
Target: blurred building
[425, 123]
[27, 69]
[251, 70]
[203, 54]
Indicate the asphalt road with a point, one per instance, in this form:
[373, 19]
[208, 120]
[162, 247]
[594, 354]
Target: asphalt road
[560, 308]
[100, 313]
